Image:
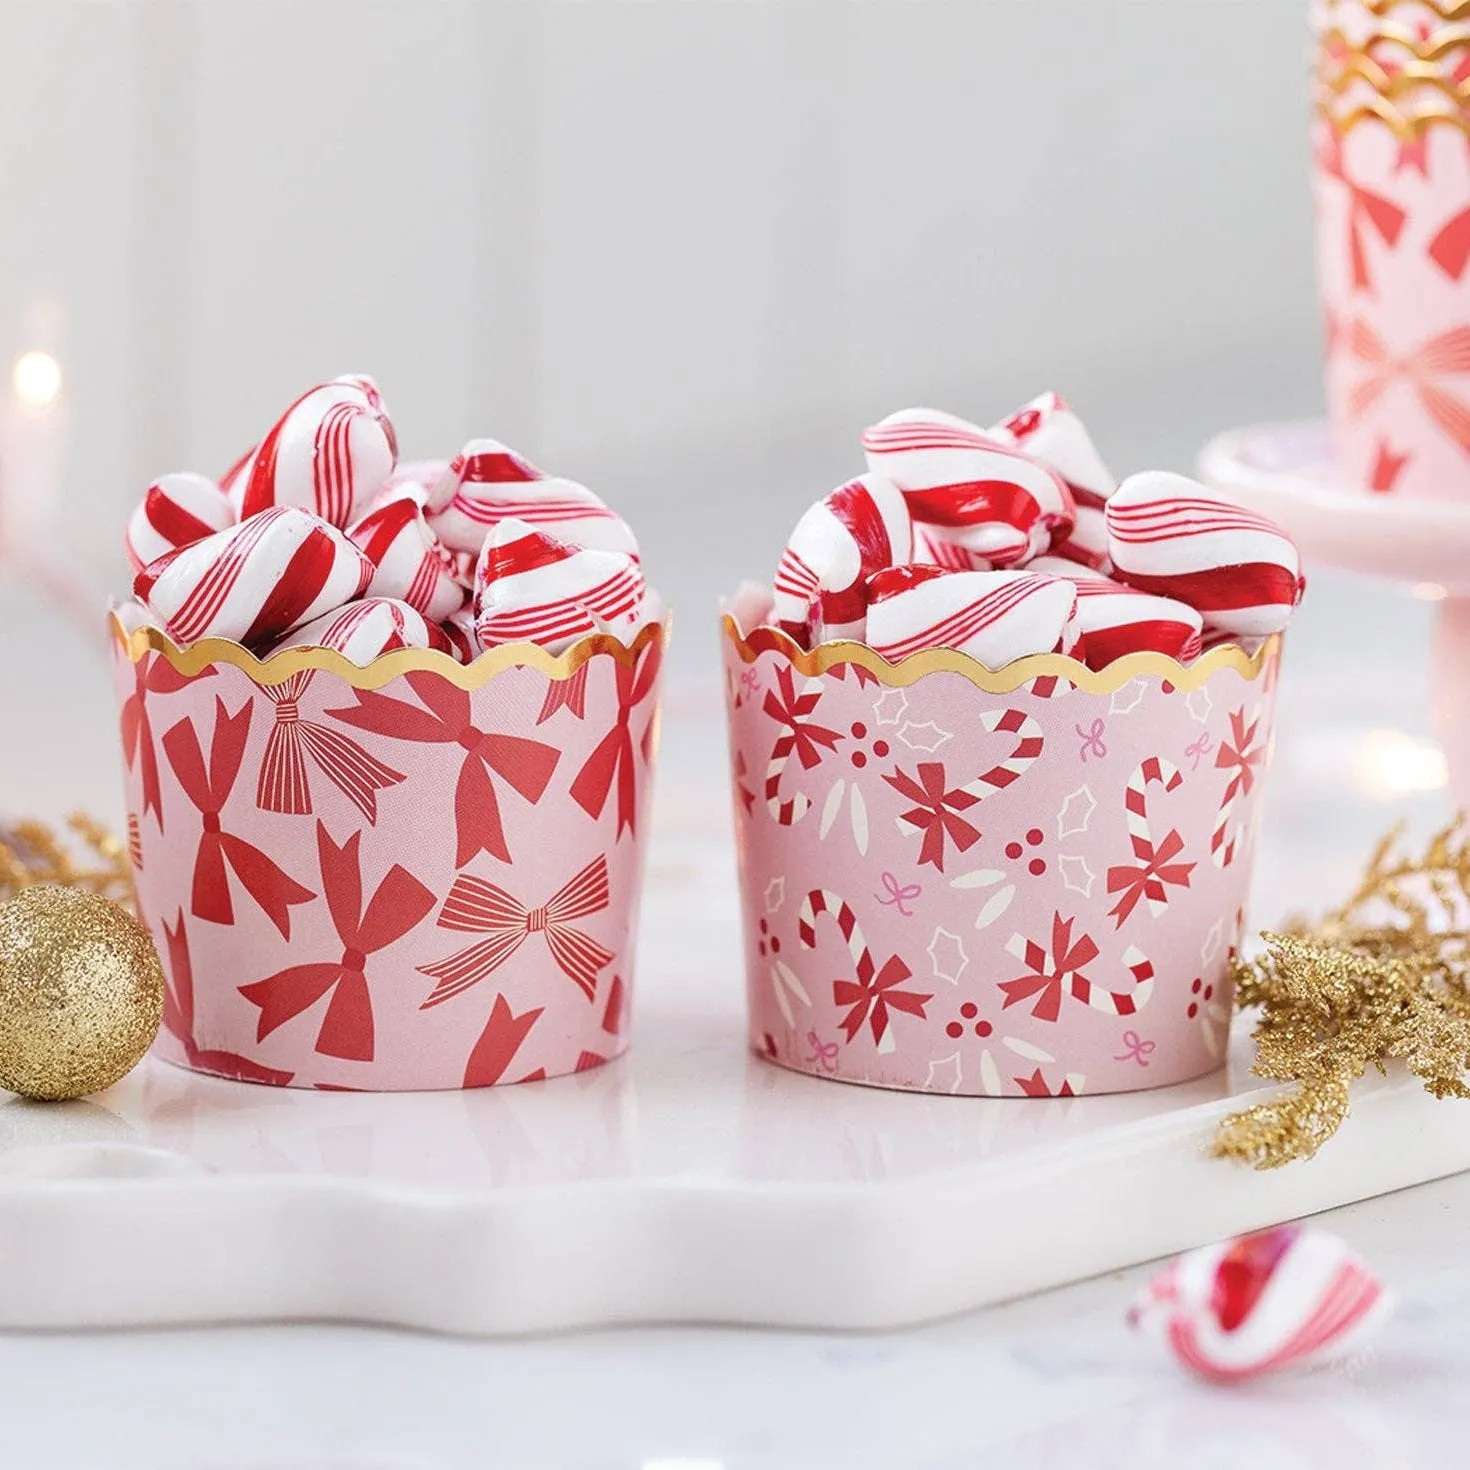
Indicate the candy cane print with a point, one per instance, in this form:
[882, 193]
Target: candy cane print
[1119, 1002]
[1154, 770]
[823, 901]
[1018, 762]
[789, 812]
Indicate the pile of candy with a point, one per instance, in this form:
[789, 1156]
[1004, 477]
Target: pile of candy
[1016, 539]
[319, 537]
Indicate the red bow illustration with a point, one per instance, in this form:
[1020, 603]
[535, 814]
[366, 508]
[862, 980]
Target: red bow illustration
[791, 710]
[499, 1042]
[152, 674]
[1441, 356]
[399, 904]
[178, 1019]
[219, 850]
[447, 719]
[1156, 869]
[869, 997]
[1239, 755]
[1050, 971]
[1365, 209]
[613, 760]
[936, 814]
[566, 694]
[475, 906]
[284, 785]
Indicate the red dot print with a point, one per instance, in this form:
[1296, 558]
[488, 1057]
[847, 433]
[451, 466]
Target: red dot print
[880, 749]
[1209, 992]
[859, 759]
[1036, 867]
[775, 945]
[765, 927]
[859, 731]
[983, 1028]
[954, 1029]
[1036, 837]
[1014, 850]
[969, 1010]
[761, 948]
[1194, 989]
[1193, 1011]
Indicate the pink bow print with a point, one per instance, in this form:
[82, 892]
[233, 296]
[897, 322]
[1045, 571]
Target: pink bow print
[1441, 356]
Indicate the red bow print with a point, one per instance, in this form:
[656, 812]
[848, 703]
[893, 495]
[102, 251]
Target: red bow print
[399, 904]
[869, 997]
[1050, 971]
[1036, 1086]
[936, 814]
[1239, 756]
[475, 906]
[613, 758]
[525, 765]
[1156, 869]
[1441, 356]
[498, 1044]
[566, 694]
[1365, 208]
[791, 710]
[152, 674]
[178, 1019]
[284, 785]
[220, 851]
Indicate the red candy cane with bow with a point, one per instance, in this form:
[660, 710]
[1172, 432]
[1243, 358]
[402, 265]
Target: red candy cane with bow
[1157, 866]
[1240, 756]
[475, 906]
[802, 738]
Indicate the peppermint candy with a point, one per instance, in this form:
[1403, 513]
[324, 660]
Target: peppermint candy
[256, 581]
[362, 631]
[329, 453]
[464, 642]
[995, 617]
[1282, 1298]
[176, 510]
[1170, 535]
[487, 483]
[860, 528]
[1115, 620]
[530, 587]
[409, 563]
[979, 498]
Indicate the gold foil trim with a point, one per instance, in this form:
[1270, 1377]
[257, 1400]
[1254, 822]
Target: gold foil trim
[383, 670]
[1446, 10]
[826, 656]
[1408, 98]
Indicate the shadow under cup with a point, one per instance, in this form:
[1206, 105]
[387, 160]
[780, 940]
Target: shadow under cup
[1025, 883]
[410, 876]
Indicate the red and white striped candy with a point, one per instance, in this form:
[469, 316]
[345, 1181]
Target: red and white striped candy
[1287, 1297]
[486, 483]
[531, 587]
[996, 617]
[1168, 534]
[256, 581]
[464, 642]
[329, 453]
[957, 476]
[362, 631]
[409, 562]
[176, 510]
[860, 528]
[1115, 620]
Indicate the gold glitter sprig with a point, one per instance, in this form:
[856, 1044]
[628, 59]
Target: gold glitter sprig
[90, 858]
[1385, 976]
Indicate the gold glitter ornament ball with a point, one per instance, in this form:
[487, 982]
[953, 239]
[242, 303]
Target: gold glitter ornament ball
[81, 992]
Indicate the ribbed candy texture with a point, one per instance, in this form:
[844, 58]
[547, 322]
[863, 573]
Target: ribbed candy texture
[1169, 535]
[176, 510]
[362, 631]
[860, 528]
[409, 562]
[1286, 1297]
[330, 453]
[1115, 620]
[256, 581]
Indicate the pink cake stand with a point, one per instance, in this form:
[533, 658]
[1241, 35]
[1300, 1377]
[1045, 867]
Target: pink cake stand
[1286, 471]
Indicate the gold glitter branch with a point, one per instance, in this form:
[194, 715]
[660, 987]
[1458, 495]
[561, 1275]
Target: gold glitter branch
[90, 858]
[1386, 975]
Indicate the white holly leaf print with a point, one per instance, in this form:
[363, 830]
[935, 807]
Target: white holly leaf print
[927, 737]
[1214, 938]
[890, 706]
[830, 809]
[859, 812]
[1126, 698]
[944, 1074]
[1076, 875]
[1076, 813]
[947, 956]
[995, 906]
[1026, 1049]
[787, 986]
[1199, 704]
[775, 894]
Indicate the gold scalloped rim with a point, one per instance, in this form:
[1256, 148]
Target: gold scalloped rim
[279, 667]
[825, 656]
[1446, 10]
[1406, 127]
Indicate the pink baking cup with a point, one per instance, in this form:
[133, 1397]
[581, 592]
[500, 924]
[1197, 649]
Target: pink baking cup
[414, 875]
[1393, 242]
[1023, 883]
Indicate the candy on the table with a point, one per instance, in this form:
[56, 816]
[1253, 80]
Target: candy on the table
[175, 511]
[531, 587]
[860, 528]
[995, 617]
[487, 482]
[329, 453]
[1115, 620]
[256, 581]
[409, 562]
[363, 630]
[1291, 1296]
[1170, 535]
[960, 477]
